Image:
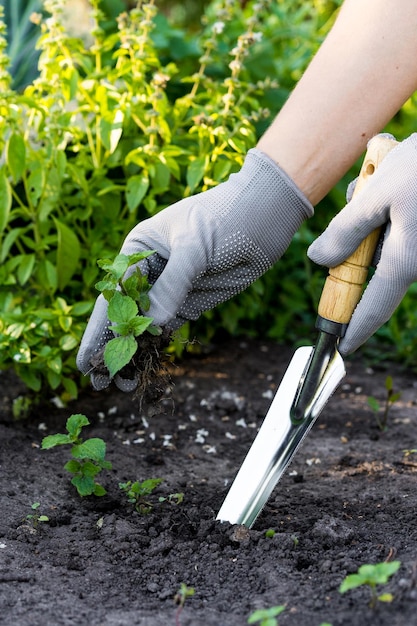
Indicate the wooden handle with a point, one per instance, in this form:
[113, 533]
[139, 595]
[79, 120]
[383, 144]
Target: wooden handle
[344, 284]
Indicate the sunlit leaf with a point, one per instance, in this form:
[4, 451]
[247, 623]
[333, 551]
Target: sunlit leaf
[115, 267]
[5, 200]
[195, 172]
[24, 271]
[136, 188]
[16, 156]
[68, 253]
[111, 127]
[35, 183]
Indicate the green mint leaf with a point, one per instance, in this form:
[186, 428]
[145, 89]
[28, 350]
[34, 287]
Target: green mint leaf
[119, 352]
[373, 403]
[154, 330]
[106, 285]
[139, 256]
[94, 449]
[121, 308]
[139, 324]
[384, 597]
[84, 484]
[352, 581]
[55, 440]
[130, 287]
[73, 466]
[90, 469]
[117, 267]
[136, 188]
[144, 301]
[122, 329]
[75, 423]
[99, 490]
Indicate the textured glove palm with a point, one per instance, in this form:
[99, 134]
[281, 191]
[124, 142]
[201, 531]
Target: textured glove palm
[209, 247]
[390, 197]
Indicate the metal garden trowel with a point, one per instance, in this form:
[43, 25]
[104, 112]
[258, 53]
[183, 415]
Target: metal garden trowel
[311, 377]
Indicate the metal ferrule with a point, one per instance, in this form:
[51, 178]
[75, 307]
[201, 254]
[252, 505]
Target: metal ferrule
[329, 334]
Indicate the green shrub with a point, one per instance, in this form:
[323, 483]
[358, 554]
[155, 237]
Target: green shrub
[93, 145]
[109, 134]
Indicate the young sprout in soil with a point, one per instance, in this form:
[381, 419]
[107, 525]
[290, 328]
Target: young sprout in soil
[180, 598]
[136, 350]
[88, 457]
[371, 576]
[270, 533]
[390, 399]
[35, 518]
[137, 493]
[409, 452]
[173, 498]
[21, 407]
[266, 617]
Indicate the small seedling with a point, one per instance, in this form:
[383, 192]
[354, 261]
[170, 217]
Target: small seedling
[137, 493]
[126, 297]
[88, 456]
[266, 617]
[173, 498]
[180, 598]
[34, 518]
[371, 576]
[270, 533]
[390, 399]
[21, 407]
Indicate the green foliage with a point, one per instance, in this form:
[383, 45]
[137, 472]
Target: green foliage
[36, 518]
[126, 297]
[173, 498]
[371, 576]
[180, 598]
[137, 492]
[88, 456]
[111, 131]
[266, 617]
[106, 135]
[390, 399]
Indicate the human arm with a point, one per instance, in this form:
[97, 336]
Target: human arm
[362, 74]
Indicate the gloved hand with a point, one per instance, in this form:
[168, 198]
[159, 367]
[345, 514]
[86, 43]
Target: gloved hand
[390, 197]
[209, 247]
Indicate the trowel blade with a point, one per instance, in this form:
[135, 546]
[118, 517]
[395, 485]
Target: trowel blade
[277, 440]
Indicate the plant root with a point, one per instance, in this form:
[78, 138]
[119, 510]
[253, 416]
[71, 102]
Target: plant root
[148, 367]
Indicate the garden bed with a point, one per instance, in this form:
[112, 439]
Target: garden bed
[348, 498]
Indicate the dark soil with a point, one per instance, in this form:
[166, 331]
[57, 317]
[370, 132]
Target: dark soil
[348, 498]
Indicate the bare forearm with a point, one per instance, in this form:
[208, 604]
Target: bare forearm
[363, 73]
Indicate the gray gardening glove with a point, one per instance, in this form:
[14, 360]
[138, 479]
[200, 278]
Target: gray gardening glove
[390, 197]
[209, 247]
